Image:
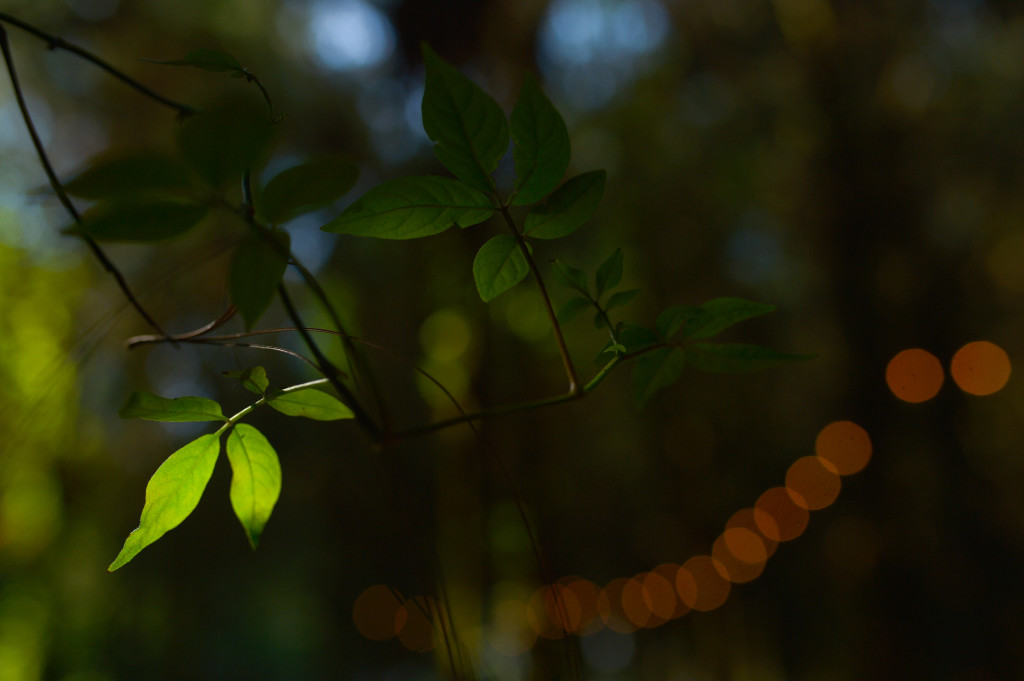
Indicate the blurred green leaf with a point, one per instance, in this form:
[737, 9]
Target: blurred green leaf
[257, 267]
[140, 219]
[541, 151]
[208, 60]
[222, 142]
[568, 208]
[609, 274]
[310, 403]
[255, 479]
[572, 309]
[172, 494]
[498, 266]
[736, 357]
[655, 370]
[571, 277]
[146, 405]
[621, 298]
[412, 207]
[468, 127]
[253, 379]
[129, 175]
[635, 337]
[709, 319]
[306, 187]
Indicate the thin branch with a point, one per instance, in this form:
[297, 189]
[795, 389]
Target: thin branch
[54, 42]
[59, 189]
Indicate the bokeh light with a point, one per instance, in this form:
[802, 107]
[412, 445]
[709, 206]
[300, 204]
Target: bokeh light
[610, 608]
[812, 483]
[700, 583]
[586, 593]
[510, 632]
[778, 517]
[744, 519]
[980, 368]
[348, 35]
[845, 445]
[375, 612]
[414, 623]
[914, 375]
[740, 554]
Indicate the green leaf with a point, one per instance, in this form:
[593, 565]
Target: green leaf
[736, 357]
[498, 266]
[256, 270]
[172, 494]
[568, 208]
[254, 379]
[636, 337]
[311, 403]
[468, 127]
[599, 322]
[413, 207]
[306, 187]
[146, 405]
[541, 151]
[572, 309]
[140, 220]
[571, 277]
[708, 319]
[656, 370]
[621, 298]
[208, 60]
[609, 274]
[255, 479]
[222, 142]
[129, 175]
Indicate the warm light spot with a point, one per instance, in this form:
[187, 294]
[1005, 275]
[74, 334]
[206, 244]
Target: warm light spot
[700, 584]
[813, 483]
[980, 368]
[777, 517]
[635, 606]
[414, 624]
[374, 612]
[670, 571]
[744, 519]
[845, 445]
[510, 633]
[552, 610]
[728, 549]
[914, 375]
[586, 593]
[609, 607]
[660, 596]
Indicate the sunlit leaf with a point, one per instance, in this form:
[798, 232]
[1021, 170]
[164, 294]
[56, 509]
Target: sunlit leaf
[541, 151]
[145, 405]
[140, 220]
[609, 274]
[621, 298]
[568, 208]
[208, 60]
[571, 277]
[172, 494]
[220, 143]
[305, 187]
[311, 403]
[254, 379]
[257, 267]
[572, 309]
[255, 479]
[709, 319]
[130, 175]
[499, 265]
[736, 357]
[468, 127]
[412, 207]
[655, 370]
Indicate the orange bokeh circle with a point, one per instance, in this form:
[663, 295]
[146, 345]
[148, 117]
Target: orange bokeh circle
[845, 445]
[980, 368]
[914, 375]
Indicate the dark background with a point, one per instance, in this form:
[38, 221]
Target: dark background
[854, 162]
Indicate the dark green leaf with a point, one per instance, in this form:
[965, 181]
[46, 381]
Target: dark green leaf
[599, 321]
[255, 479]
[131, 175]
[306, 187]
[609, 274]
[499, 265]
[256, 270]
[311, 403]
[571, 277]
[673, 318]
[222, 142]
[621, 298]
[636, 337]
[172, 494]
[412, 207]
[572, 309]
[208, 60]
[145, 405]
[709, 319]
[656, 370]
[541, 151]
[140, 220]
[254, 380]
[736, 357]
[468, 127]
[568, 208]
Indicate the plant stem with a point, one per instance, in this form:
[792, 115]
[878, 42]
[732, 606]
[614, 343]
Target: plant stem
[563, 350]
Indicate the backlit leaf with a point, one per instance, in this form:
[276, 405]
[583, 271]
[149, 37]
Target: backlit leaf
[208, 60]
[254, 379]
[572, 309]
[140, 220]
[222, 142]
[256, 270]
[255, 479]
[609, 274]
[305, 187]
[571, 277]
[499, 265]
[568, 208]
[311, 403]
[172, 494]
[541, 151]
[146, 405]
[129, 175]
[412, 207]
[736, 357]
[656, 370]
[468, 127]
